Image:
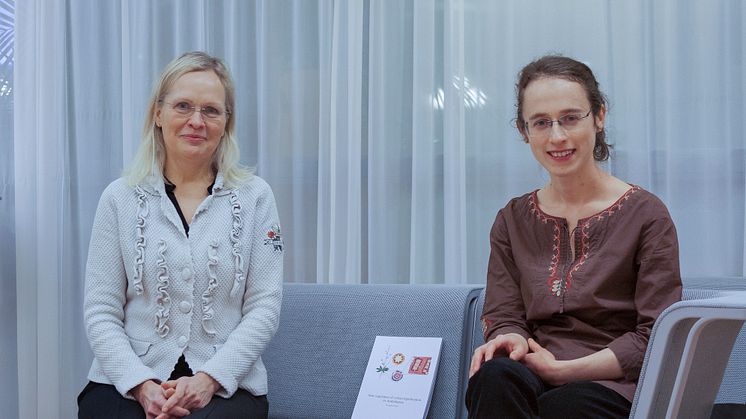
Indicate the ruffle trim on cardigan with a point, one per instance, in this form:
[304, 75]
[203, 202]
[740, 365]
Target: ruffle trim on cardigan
[163, 299]
[238, 275]
[142, 213]
[208, 313]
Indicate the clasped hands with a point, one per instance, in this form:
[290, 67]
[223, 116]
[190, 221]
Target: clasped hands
[526, 351]
[175, 398]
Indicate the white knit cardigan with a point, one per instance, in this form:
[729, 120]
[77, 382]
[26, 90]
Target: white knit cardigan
[152, 293]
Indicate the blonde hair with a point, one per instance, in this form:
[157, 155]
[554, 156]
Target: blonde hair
[151, 154]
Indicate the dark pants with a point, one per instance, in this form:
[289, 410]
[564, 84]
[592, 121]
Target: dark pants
[99, 401]
[503, 388]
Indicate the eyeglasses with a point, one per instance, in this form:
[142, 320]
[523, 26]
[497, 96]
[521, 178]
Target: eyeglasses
[208, 112]
[541, 128]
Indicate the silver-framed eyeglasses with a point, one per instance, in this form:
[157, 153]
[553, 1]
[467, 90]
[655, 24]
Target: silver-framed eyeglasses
[186, 109]
[542, 127]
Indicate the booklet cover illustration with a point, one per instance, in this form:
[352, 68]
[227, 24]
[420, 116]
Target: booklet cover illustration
[399, 378]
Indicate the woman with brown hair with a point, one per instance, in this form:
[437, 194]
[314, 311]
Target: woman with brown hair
[579, 270]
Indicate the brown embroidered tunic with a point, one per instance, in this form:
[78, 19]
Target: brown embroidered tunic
[625, 271]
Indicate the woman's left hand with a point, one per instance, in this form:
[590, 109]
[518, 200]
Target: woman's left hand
[543, 363]
[190, 393]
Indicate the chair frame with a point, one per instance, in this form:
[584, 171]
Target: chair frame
[689, 348]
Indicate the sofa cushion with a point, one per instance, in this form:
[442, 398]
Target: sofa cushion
[317, 359]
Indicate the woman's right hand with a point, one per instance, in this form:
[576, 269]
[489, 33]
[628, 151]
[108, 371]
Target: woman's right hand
[152, 398]
[512, 344]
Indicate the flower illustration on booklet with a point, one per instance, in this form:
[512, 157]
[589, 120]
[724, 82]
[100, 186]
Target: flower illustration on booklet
[384, 362]
[399, 378]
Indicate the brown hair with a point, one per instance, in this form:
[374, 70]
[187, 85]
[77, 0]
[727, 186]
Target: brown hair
[568, 69]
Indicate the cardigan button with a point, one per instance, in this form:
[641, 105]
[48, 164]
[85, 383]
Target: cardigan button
[185, 307]
[186, 274]
[182, 341]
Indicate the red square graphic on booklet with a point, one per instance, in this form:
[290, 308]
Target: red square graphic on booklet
[420, 365]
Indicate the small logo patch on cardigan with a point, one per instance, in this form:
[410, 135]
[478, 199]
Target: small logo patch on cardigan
[274, 238]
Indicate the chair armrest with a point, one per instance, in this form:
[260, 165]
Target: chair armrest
[689, 348]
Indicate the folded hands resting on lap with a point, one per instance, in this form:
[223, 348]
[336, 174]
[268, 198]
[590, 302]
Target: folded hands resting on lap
[175, 398]
[600, 365]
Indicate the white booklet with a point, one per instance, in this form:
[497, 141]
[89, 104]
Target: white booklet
[399, 378]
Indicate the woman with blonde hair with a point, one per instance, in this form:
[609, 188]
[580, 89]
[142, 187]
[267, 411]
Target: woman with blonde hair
[184, 274]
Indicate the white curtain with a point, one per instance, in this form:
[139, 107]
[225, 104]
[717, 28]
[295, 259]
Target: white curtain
[8, 352]
[384, 128]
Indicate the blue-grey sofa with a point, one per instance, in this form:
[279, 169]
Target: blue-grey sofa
[317, 359]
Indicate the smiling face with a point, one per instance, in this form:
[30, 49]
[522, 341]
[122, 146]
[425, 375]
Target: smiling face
[561, 151]
[192, 137]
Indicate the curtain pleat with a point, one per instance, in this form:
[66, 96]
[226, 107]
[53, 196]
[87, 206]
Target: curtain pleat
[41, 183]
[8, 324]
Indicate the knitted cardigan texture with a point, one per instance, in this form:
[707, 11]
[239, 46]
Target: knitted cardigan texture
[153, 293]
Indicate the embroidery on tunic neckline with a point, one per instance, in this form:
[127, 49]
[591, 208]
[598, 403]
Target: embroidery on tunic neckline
[533, 208]
[585, 238]
[557, 285]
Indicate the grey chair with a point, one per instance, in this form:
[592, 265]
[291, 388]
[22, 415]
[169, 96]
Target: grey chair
[690, 347]
[696, 355]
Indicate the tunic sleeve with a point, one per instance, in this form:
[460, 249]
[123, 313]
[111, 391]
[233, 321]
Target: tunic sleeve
[658, 286]
[504, 311]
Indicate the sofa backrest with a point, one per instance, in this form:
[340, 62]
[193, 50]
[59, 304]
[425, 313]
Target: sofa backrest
[316, 361]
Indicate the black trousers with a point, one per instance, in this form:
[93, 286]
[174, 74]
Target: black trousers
[103, 401]
[503, 388]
